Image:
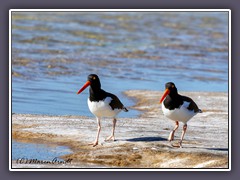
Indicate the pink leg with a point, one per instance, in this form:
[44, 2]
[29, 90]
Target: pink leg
[95, 143]
[183, 133]
[113, 130]
[171, 135]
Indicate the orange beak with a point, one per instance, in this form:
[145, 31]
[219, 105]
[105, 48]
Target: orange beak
[84, 87]
[166, 92]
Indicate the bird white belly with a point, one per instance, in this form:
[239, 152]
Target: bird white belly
[102, 108]
[179, 114]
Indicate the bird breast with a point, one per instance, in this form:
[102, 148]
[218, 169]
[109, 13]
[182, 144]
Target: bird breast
[182, 113]
[102, 108]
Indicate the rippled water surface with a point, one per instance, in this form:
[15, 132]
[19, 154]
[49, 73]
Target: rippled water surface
[53, 52]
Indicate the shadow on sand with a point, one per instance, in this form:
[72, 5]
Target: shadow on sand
[147, 139]
[218, 149]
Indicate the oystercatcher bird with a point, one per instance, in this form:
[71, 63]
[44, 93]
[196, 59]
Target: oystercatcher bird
[177, 108]
[102, 104]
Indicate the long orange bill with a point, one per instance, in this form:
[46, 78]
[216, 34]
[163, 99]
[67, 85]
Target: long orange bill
[84, 87]
[166, 92]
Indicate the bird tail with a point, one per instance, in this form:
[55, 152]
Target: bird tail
[199, 111]
[125, 109]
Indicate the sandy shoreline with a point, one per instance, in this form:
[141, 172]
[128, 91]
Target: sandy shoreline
[140, 142]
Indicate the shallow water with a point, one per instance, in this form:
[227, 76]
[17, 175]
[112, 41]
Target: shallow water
[53, 52]
[41, 152]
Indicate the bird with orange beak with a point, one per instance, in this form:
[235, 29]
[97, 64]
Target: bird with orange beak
[177, 108]
[102, 104]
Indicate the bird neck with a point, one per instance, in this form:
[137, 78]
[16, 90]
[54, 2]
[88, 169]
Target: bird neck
[173, 94]
[96, 94]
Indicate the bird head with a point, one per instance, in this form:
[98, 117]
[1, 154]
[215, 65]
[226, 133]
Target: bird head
[93, 81]
[170, 88]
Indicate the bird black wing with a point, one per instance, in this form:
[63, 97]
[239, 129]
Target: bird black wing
[192, 105]
[116, 103]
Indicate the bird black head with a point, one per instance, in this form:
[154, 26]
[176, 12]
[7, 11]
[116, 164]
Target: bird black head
[170, 89]
[93, 81]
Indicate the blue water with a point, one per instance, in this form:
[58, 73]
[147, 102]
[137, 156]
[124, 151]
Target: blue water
[53, 53]
[41, 152]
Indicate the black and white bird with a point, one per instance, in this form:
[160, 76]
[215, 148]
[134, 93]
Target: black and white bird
[102, 104]
[177, 108]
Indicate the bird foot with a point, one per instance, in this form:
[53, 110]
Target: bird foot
[177, 145]
[110, 138]
[171, 136]
[95, 143]
[180, 144]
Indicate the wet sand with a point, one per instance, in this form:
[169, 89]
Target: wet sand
[140, 142]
